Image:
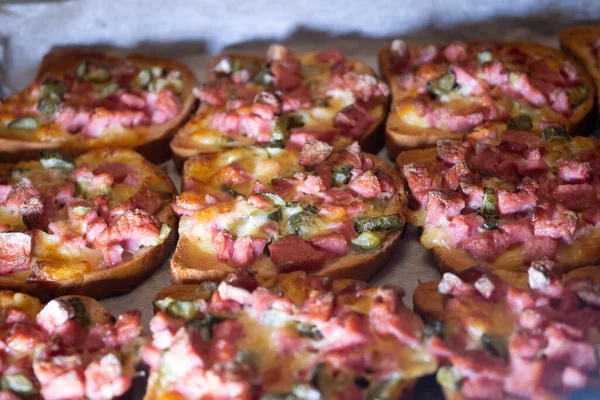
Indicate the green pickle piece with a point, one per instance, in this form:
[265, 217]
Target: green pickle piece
[577, 95]
[441, 85]
[378, 224]
[520, 123]
[26, 123]
[367, 240]
[55, 159]
[555, 133]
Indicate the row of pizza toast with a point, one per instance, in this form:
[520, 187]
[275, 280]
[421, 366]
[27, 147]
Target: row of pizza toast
[281, 205]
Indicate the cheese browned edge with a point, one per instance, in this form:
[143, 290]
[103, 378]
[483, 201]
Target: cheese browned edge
[400, 136]
[428, 302]
[183, 147]
[114, 280]
[579, 253]
[155, 145]
[574, 42]
[191, 265]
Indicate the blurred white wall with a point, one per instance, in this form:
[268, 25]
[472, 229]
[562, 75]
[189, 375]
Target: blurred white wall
[177, 27]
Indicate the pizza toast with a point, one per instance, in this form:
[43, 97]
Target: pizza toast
[84, 99]
[482, 315]
[478, 89]
[580, 43]
[212, 196]
[294, 291]
[300, 94]
[494, 246]
[72, 346]
[97, 225]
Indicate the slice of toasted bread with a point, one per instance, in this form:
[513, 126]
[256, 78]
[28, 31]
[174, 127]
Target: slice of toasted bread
[121, 278]
[190, 264]
[579, 43]
[183, 146]
[580, 252]
[402, 136]
[149, 140]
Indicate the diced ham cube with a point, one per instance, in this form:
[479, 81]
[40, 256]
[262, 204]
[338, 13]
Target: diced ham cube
[521, 201]
[456, 52]
[121, 172]
[291, 253]
[486, 246]
[265, 105]
[462, 227]
[573, 378]
[15, 251]
[344, 333]
[576, 197]
[519, 231]
[223, 245]
[573, 171]
[556, 222]
[297, 99]
[419, 181]
[286, 75]
[443, 204]
[529, 91]
[330, 57]
[353, 120]
[299, 136]
[452, 177]
[464, 121]
[532, 164]
[494, 73]
[561, 104]
[452, 151]
[469, 86]
[225, 121]
[525, 376]
[365, 86]
[539, 248]
[246, 250]
[105, 378]
[454, 286]
[366, 185]
[333, 243]
[312, 185]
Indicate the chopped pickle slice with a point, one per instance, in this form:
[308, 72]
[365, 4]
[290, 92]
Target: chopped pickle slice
[441, 85]
[577, 95]
[555, 133]
[485, 56]
[27, 123]
[520, 123]
[55, 159]
[378, 224]
[367, 240]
